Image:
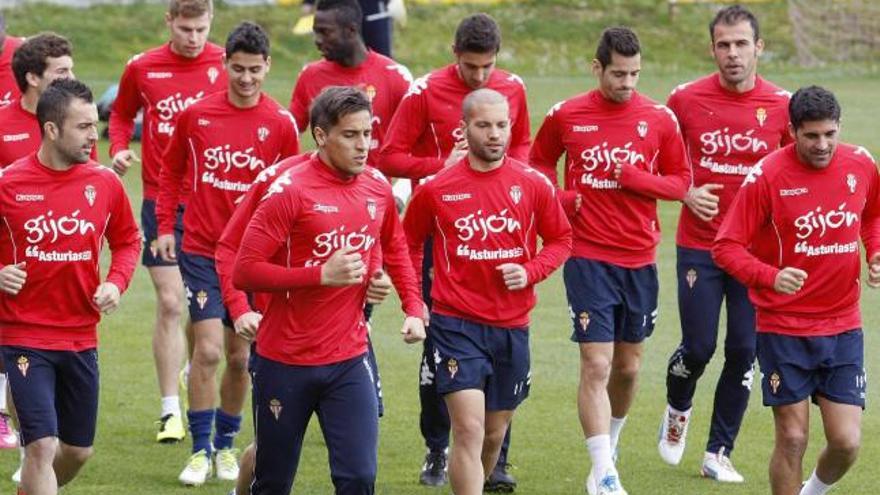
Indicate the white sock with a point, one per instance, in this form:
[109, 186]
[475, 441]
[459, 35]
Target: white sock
[599, 447]
[3, 393]
[616, 427]
[171, 405]
[686, 414]
[402, 190]
[815, 486]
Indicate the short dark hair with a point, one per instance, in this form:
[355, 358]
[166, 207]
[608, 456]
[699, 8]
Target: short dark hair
[248, 37]
[55, 101]
[620, 40]
[190, 8]
[477, 33]
[348, 12]
[31, 56]
[734, 14]
[336, 102]
[812, 104]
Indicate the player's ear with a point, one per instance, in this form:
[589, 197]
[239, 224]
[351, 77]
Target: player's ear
[596, 67]
[792, 131]
[32, 79]
[759, 47]
[168, 19]
[268, 63]
[50, 130]
[319, 135]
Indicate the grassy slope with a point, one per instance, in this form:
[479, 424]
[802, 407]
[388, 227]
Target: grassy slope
[549, 46]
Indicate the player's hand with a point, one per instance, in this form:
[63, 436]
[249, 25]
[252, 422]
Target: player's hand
[379, 287]
[578, 202]
[702, 202]
[789, 280]
[427, 312]
[166, 246]
[246, 325]
[344, 267]
[123, 160]
[413, 330]
[874, 271]
[12, 278]
[515, 275]
[459, 151]
[106, 297]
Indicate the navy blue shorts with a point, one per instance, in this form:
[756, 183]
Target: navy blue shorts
[55, 393]
[795, 368]
[150, 225]
[475, 356]
[202, 286]
[609, 303]
[343, 397]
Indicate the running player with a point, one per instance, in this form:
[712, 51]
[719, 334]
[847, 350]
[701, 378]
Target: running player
[425, 135]
[60, 207]
[164, 81]
[729, 120]
[488, 210]
[792, 237]
[223, 142]
[623, 153]
[311, 242]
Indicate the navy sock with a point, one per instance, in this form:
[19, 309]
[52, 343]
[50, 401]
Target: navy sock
[227, 427]
[200, 424]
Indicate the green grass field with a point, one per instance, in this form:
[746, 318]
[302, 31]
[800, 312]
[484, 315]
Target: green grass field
[547, 450]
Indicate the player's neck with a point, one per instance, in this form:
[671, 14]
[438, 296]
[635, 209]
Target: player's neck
[29, 101]
[478, 164]
[743, 86]
[174, 51]
[51, 160]
[243, 102]
[356, 57]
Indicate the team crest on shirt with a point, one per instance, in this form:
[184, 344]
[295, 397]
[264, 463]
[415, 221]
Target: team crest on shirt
[275, 407]
[452, 366]
[761, 116]
[371, 208]
[213, 74]
[774, 382]
[262, 133]
[851, 183]
[90, 193]
[584, 320]
[23, 365]
[202, 298]
[691, 277]
[642, 129]
[515, 194]
[370, 90]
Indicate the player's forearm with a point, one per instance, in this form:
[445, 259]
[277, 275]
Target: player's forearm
[666, 187]
[553, 254]
[404, 165]
[254, 275]
[121, 130]
[123, 262]
[733, 257]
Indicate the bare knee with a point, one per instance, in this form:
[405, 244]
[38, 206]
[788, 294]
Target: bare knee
[168, 301]
[468, 430]
[207, 353]
[237, 358]
[595, 368]
[845, 444]
[792, 441]
[78, 455]
[42, 451]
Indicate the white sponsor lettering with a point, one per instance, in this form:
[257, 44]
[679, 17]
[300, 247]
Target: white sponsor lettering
[725, 168]
[594, 183]
[12, 138]
[159, 75]
[465, 251]
[24, 198]
[722, 141]
[452, 198]
[172, 105]
[585, 128]
[604, 154]
[325, 208]
[808, 223]
[797, 191]
[48, 225]
[56, 256]
[338, 238]
[223, 155]
[826, 249]
[477, 223]
[223, 184]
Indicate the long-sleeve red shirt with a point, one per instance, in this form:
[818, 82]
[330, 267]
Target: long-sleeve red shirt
[20, 134]
[56, 222]
[725, 133]
[308, 214]
[236, 301]
[222, 148]
[426, 125]
[617, 222]
[164, 84]
[381, 78]
[790, 214]
[479, 221]
[9, 91]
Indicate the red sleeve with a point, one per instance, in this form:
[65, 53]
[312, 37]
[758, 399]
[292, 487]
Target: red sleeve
[94, 155]
[749, 212]
[521, 134]
[418, 225]
[227, 247]
[408, 126]
[397, 261]
[299, 103]
[672, 165]
[267, 233]
[290, 145]
[124, 111]
[171, 176]
[124, 239]
[871, 216]
[545, 154]
[555, 232]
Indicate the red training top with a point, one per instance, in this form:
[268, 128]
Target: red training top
[9, 91]
[20, 134]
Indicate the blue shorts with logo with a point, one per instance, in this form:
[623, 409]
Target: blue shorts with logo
[55, 393]
[795, 368]
[202, 285]
[610, 303]
[150, 225]
[471, 355]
